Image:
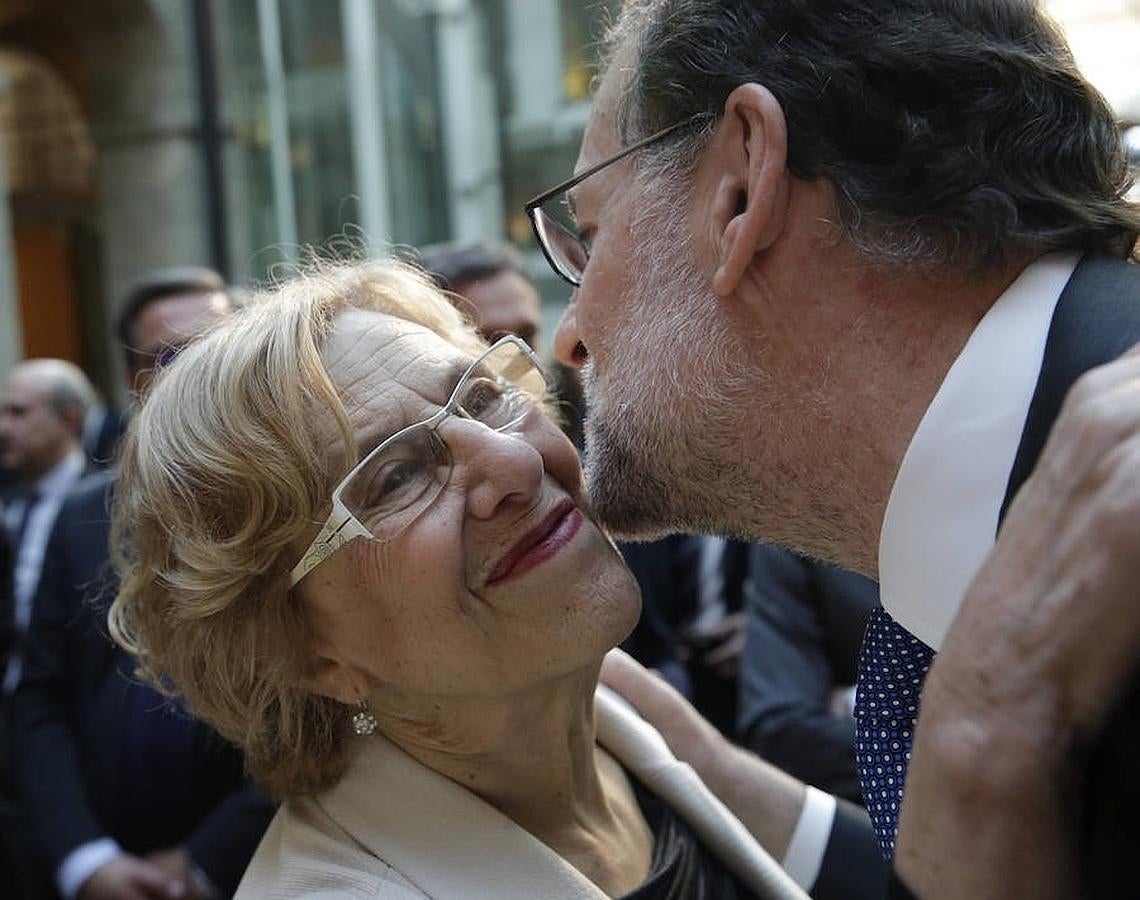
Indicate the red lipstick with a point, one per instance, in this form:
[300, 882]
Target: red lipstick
[540, 543]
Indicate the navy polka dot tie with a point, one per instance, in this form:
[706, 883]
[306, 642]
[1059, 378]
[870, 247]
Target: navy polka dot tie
[892, 666]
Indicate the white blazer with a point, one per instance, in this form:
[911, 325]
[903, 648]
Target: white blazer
[392, 828]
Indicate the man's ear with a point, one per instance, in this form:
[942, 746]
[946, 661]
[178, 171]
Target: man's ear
[750, 200]
[72, 418]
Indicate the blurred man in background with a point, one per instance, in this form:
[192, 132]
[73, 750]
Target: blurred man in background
[492, 278]
[42, 410]
[127, 796]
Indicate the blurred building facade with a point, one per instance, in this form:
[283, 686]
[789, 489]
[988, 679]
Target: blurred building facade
[143, 133]
[229, 133]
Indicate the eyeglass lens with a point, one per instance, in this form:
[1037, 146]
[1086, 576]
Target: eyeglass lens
[558, 236]
[407, 472]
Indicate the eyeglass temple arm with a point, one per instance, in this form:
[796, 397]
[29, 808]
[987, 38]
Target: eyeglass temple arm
[340, 527]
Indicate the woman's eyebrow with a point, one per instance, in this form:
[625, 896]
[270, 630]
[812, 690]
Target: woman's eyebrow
[454, 372]
[371, 438]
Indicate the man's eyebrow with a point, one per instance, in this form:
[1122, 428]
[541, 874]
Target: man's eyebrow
[570, 204]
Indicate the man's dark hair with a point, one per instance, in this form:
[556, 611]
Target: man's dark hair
[453, 263]
[955, 132]
[157, 286]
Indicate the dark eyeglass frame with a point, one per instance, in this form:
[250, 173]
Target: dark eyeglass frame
[534, 206]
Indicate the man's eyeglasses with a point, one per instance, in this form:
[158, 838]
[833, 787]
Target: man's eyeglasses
[405, 474]
[553, 223]
[156, 359]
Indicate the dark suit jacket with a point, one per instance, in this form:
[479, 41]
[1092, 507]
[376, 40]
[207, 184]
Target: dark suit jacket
[1096, 320]
[102, 443]
[805, 625]
[667, 572]
[7, 559]
[97, 753]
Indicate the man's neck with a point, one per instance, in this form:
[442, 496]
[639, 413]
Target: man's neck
[864, 349]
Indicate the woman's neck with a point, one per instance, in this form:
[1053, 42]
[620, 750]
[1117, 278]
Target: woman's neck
[532, 755]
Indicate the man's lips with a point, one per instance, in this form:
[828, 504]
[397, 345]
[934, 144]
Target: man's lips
[540, 543]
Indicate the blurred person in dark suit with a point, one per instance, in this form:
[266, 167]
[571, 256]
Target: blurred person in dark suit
[41, 420]
[9, 871]
[7, 633]
[693, 628]
[126, 795]
[103, 427]
[805, 624]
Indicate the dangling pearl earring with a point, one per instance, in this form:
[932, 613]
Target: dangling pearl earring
[363, 722]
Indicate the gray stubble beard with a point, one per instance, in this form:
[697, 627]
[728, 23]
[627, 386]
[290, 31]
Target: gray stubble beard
[655, 426]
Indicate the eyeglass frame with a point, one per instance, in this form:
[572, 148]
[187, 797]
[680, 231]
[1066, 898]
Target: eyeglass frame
[341, 525]
[534, 205]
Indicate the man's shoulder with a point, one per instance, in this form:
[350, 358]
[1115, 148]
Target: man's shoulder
[92, 493]
[1097, 274]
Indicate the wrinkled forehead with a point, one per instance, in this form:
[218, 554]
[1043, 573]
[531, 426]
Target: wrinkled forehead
[387, 371]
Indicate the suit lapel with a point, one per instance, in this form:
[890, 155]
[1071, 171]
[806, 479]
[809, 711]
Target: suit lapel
[1096, 319]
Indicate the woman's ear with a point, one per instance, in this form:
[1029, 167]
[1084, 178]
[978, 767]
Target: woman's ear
[750, 198]
[331, 678]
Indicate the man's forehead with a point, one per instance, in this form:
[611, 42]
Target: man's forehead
[24, 388]
[504, 292]
[178, 317]
[600, 139]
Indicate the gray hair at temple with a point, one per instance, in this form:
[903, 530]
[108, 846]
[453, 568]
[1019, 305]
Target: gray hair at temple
[956, 133]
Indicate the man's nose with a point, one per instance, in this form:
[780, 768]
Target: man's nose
[568, 346]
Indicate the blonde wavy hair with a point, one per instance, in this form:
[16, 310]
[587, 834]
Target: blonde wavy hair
[224, 476]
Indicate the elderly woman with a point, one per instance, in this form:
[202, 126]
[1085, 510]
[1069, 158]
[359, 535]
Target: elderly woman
[356, 543]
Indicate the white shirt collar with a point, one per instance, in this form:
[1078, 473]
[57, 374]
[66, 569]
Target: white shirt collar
[942, 515]
[61, 477]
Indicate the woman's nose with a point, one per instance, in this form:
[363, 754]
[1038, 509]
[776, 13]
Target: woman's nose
[498, 467]
[568, 346]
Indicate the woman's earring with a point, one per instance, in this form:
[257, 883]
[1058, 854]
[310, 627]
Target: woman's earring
[363, 722]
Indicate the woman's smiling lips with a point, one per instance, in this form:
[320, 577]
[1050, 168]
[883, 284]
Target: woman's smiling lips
[540, 543]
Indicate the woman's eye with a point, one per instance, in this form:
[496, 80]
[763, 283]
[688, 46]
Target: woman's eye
[387, 486]
[395, 477]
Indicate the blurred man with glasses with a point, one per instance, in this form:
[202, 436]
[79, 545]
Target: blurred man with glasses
[836, 266]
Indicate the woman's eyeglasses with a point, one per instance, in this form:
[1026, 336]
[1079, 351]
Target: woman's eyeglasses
[407, 471]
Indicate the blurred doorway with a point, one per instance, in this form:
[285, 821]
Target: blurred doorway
[49, 157]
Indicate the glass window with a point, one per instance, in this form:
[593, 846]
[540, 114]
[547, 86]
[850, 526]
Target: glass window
[540, 147]
[409, 79]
